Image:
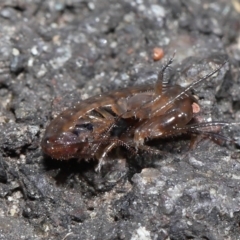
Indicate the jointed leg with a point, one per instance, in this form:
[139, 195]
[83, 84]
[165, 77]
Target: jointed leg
[104, 154]
[114, 142]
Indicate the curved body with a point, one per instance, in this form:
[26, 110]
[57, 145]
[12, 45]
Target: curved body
[127, 117]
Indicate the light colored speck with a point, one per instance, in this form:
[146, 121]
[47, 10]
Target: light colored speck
[30, 62]
[45, 48]
[13, 210]
[63, 54]
[10, 199]
[189, 223]
[158, 11]
[103, 42]
[15, 52]
[141, 234]
[236, 177]
[90, 87]
[143, 54]
[142, 8]
[194, 162]
[129, 17]
[42, 71]
[53, 25]
[59, 6]
[175, 192]
[213, 192]
[113, 44]
[124, 76]
[23, 158]
[91, 6]
[34, 51]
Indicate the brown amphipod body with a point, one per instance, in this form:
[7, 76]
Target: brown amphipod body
[127, 117]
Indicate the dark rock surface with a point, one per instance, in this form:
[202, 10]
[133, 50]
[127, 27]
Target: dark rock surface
[74, 49]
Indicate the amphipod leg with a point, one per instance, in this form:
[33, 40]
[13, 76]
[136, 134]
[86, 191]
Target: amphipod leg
[114, 143]
[165, 125]
[104, 154]
[208, 129]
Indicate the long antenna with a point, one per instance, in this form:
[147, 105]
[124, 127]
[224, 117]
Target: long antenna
[189, 87]
[162, 81]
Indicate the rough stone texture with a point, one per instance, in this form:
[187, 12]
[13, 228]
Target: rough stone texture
[72, 49]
